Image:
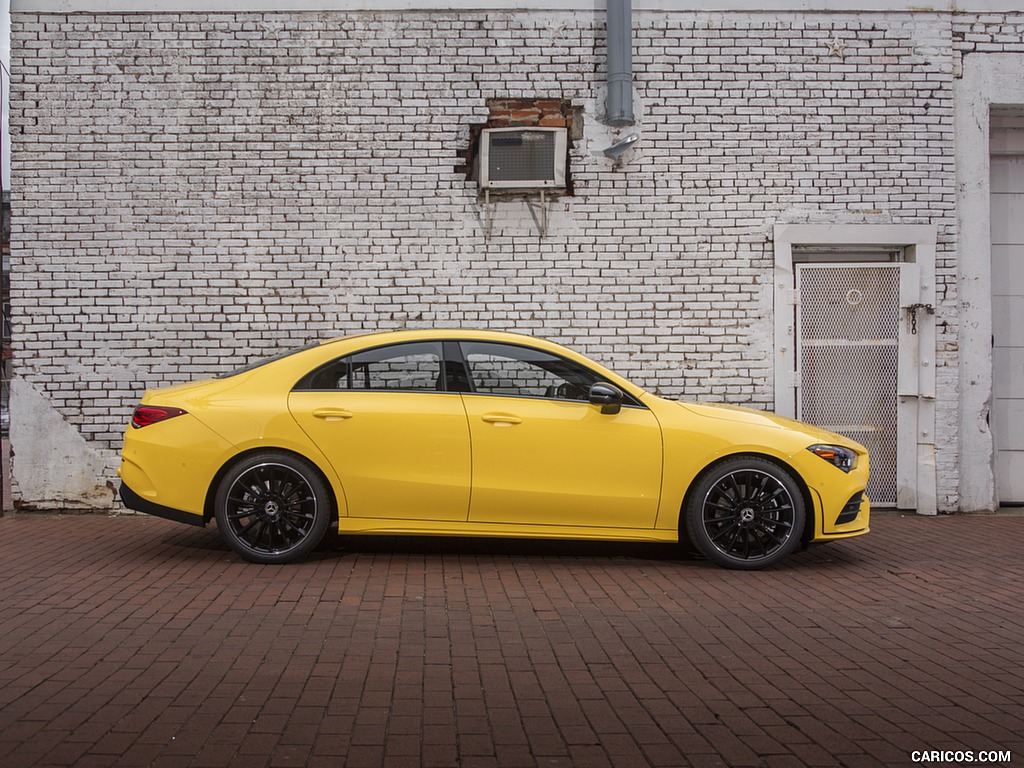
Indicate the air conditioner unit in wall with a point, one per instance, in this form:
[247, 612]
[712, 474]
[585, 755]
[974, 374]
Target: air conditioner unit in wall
[522, 158]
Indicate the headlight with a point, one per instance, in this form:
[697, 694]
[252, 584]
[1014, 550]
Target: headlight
[836, 455]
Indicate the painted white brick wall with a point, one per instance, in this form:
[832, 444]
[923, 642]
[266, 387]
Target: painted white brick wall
[195, 191]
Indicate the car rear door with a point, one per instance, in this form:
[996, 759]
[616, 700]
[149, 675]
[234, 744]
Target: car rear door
[398, 441]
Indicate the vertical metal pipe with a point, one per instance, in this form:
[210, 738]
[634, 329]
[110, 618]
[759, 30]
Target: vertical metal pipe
[619, 25]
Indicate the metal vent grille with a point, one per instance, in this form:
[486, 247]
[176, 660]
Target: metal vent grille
[849, 323]
[521, 156]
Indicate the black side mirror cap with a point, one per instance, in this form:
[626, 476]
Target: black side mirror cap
[608, 396]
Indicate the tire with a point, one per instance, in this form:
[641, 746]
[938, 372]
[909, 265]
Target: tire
[745, 513]
[272, 508]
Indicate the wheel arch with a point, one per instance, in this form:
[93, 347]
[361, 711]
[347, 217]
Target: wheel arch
[211, 491]
[810, 517]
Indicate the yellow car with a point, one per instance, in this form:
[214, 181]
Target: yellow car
[478, 433]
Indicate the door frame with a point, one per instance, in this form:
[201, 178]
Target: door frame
[1007, 141]
[916, 450]
[987, 83]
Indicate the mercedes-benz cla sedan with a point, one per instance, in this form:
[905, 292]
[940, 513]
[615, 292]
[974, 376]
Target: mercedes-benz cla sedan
[478, 433]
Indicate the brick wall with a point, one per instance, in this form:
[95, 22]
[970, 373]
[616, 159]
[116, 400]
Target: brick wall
[194, 191]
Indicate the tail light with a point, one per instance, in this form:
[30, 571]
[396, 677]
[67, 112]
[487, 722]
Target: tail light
[150, 414]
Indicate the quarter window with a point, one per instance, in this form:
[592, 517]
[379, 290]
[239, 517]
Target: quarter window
[400, 367]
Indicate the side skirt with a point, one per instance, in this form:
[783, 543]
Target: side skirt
[384, 527]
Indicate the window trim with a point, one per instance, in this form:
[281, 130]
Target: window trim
[453, 359]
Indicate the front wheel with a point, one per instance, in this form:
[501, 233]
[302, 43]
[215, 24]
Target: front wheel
[745, 513]
[272, 508]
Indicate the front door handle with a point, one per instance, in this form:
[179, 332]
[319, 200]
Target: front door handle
[332, 414]
[501, 419]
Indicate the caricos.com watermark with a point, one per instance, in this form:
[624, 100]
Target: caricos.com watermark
[954, 756]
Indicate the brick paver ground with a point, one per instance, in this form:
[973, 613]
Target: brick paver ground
[132, 641]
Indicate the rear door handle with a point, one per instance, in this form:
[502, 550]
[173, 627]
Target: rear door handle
[332, 414]
[501, 419]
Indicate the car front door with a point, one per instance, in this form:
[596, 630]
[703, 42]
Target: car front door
[544, 455]
[398, 442]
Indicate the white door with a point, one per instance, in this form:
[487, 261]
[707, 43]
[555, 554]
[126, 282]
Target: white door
[1007, 415]
[854, 366]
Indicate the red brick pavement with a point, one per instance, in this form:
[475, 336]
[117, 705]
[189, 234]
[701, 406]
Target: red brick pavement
[133, 641]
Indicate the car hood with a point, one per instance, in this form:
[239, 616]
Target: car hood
[752, 416]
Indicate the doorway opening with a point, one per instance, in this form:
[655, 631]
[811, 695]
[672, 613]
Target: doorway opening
[1006, 146]
[854, 329]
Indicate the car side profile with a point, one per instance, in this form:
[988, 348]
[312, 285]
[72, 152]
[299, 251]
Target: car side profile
[480, 433]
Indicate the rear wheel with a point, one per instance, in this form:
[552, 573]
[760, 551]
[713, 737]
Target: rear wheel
[272, 508]
[745, 513]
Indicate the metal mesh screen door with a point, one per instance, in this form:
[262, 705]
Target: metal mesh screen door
[848, 325]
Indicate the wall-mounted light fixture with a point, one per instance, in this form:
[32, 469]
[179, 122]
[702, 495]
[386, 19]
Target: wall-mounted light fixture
[615, 150]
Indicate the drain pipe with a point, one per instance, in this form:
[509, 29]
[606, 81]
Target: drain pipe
[619, 23]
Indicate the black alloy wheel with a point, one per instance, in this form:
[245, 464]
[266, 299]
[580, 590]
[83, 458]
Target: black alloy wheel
[746, 513]
[272, 508]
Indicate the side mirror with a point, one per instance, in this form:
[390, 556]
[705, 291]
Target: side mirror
[609, 397]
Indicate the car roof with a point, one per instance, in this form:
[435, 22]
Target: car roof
[441, 333]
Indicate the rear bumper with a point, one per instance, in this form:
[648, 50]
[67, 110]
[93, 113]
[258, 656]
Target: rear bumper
[132, 500]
